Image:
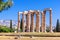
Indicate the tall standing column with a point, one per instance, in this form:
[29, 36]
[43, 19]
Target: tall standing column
[18, 28]
[50, 20]
[23, 23]
[37, 22]
[43, 21]
[28, 22]
[32, 23]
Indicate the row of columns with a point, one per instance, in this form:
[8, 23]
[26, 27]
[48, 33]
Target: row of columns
[30, 21]
[44, 20]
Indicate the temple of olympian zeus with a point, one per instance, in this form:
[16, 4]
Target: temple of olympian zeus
[30, 20]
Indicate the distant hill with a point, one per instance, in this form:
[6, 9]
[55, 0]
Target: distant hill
[7, 23]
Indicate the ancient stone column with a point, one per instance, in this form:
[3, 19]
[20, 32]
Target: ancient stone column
[43, 22]
[50, 20]
[18, 28]
[23, 23]
[37, 21]
[28, 22]
[32, 23]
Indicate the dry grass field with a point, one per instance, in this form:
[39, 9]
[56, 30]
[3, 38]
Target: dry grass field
[30, 36]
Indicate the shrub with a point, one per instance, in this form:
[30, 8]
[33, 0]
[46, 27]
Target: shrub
[5, 29]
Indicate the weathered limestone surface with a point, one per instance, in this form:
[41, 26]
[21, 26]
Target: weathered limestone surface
[28, 22]
[43, 22]
[50, 20]
[18, 22]
[23, 23]
[42, 15]
[37, 22]
[32, 23]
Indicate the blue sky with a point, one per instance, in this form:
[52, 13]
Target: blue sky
[22, 5]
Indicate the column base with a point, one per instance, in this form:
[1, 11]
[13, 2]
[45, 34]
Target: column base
[51, 31]
[43, 31]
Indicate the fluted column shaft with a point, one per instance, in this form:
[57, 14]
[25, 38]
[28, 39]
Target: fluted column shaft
[32, 23]
[28, 22]
[50, 20]
[37, 22]
[43, 21]
[18, 28]
[23, 23]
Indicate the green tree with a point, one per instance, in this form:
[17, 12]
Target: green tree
[10, 24]
[57, 26]
[21, 25]
[47, 28]
[5, 5]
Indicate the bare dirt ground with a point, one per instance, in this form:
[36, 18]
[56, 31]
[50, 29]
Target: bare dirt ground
[28, 38]
[18, 36]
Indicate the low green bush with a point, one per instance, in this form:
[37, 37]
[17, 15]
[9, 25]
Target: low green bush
[5, 29]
